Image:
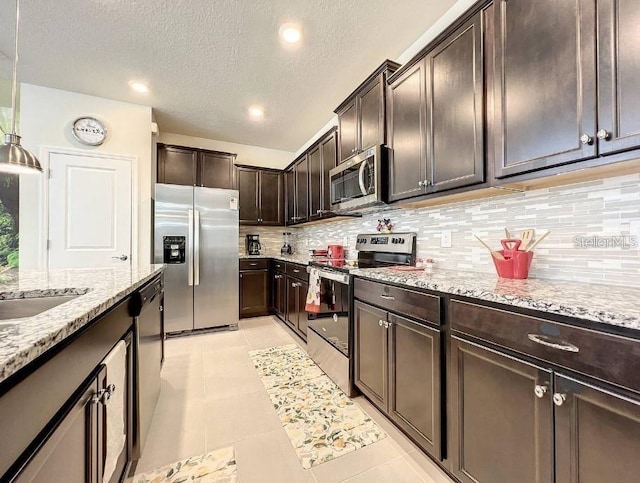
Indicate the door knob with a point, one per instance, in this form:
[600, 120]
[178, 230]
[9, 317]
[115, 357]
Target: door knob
[586, 139]
[559, 399]
[123, 258]
[603, 135]
[540, 391]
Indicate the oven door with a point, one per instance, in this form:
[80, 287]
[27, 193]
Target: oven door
[356, 183]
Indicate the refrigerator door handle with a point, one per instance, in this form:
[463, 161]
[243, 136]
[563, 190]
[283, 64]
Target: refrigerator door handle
[196, 249]
[190, 248]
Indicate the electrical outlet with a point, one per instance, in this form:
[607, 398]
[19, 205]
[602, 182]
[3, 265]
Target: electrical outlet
[445, 239]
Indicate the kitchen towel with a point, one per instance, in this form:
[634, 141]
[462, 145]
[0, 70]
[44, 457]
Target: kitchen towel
[116, 363]
[314, 293]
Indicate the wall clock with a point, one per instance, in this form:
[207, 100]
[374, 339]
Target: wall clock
[89, 130]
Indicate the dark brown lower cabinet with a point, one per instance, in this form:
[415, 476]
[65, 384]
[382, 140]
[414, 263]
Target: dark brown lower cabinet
[397, 366]
[501, 432]
[296, 316]
[254, 293]
[597, 434]
[279, 294]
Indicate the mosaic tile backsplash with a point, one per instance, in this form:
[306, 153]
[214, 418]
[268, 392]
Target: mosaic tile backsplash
[595, 231]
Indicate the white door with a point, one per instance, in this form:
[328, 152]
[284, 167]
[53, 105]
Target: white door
[90, 208]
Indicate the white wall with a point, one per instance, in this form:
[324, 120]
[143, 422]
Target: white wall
[247, 154]
[46, 117]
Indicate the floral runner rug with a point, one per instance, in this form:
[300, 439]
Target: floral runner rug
[320, 420]
[216, 467]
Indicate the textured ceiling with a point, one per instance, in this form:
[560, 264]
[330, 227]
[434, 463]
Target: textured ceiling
[207, 60]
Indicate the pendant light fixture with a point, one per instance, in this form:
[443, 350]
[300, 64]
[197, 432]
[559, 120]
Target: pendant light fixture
[13, 157]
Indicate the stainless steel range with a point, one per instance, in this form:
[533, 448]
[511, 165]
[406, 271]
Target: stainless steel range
[330, 334]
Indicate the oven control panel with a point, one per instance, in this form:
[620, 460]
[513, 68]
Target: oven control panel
[387, 242]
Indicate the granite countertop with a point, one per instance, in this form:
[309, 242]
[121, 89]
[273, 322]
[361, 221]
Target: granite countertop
[604, 304]
[23, 340]
[295, 258]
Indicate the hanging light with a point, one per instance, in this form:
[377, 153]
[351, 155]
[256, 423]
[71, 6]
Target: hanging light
[13, 157]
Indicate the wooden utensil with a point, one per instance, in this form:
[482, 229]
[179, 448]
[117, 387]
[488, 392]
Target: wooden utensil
[494, 253]
[535, 243]
[506, 232]
[527, 237]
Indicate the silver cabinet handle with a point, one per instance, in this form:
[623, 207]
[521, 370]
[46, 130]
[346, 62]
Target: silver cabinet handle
[196, 248]
[103, 395]
[296, 271]
[548, 342]
[387, 297]
[586, 139]
[427, 183]
[540, 391]
[603, 135]
[123, 258]
[190, 250]
[380, 323]
[559, 399]
[420, 183]
[253, 264]
[387, 324]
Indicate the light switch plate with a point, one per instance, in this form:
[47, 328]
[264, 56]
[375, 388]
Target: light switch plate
[445, 239]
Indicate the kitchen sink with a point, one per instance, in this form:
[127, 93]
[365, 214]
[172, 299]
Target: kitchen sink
[31, 306]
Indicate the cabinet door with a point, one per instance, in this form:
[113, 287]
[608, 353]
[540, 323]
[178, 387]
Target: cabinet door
[597, 434]
[301, 170]
[248, 180]
[254, 293]
[315, 182]
[328, 148]
[290, 194]
[371, 366]
[271, 198]
[217, 170]
[371, 116]
[618, 74]
[348, 129]
[414, 376]
[292, 303]
[500, 431]
[303, 318]
[177, 165]
[71, 452]
[455, 116]
[545, 90]
[280, 295]
[407, 134]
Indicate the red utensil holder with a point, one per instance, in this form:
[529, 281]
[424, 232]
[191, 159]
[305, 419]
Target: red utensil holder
[515, 265]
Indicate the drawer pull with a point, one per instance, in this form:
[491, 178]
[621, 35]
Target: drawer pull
[559, 399]
[387, 297]
[380, 323]
[296, 271]
[253, 264]
[540, 391]
[548, 342]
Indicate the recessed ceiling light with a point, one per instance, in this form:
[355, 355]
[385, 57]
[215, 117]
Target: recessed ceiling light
[138, 86]
[290, 33]
[256, 112]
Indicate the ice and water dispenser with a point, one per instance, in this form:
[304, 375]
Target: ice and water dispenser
[174, 249]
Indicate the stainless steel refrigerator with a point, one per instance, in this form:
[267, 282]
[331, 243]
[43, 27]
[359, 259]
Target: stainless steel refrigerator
[196, 235]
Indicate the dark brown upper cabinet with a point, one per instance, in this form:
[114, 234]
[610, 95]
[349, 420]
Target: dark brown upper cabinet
[618, 74]
[545, 84]
[261, 195]
[322, 158]
[436, 117]
[361, 117]
[290, 194]
[195, 167]
[301, 170]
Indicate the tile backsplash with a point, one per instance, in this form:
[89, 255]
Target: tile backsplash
[595, 231]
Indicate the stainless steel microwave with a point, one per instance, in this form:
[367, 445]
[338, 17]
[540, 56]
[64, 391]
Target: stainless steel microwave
[358, 182]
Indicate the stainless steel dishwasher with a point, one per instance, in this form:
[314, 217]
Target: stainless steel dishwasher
[147, 308]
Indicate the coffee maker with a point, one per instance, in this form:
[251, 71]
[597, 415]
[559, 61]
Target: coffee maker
[252, 244]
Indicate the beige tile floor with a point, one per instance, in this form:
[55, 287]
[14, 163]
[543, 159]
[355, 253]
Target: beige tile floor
[212, 397]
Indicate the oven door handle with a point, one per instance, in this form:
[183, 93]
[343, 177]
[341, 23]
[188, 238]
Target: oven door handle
[336, 277]
[364, 190]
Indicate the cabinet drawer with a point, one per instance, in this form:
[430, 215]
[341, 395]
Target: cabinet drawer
[403, 301]
[608, 357]
[298, 271]
[278, 266]
[254, 264]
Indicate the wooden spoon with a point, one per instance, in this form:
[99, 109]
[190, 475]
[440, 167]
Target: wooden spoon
[535, 243]
[527, 238]
[494, 254]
